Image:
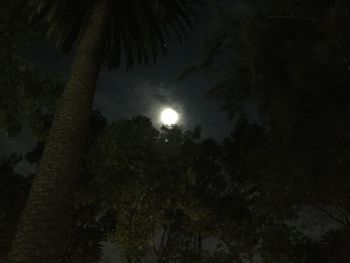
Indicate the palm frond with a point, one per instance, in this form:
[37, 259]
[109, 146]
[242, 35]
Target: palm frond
[136, 32]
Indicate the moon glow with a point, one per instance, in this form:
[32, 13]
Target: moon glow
[169, 117]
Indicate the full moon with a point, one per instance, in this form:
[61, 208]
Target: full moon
[169, 117]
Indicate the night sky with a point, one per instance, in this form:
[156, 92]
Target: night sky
[145, 90]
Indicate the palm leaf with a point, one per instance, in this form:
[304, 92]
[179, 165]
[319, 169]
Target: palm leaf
[136, 29]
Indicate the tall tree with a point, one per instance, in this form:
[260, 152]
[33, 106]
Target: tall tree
[289, 62]
[87, 228]
[27, 95]
[102, 30]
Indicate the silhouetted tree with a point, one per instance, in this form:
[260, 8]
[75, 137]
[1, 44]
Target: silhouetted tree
[27, 95]
[13, 192]
[286, 62]
[102, 29]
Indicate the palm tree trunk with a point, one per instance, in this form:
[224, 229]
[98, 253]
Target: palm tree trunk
[41, 233]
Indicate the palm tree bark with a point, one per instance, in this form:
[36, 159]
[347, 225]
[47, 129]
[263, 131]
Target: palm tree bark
[41, 233]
